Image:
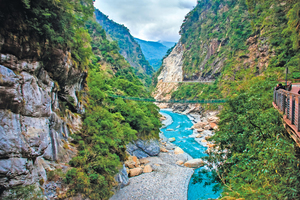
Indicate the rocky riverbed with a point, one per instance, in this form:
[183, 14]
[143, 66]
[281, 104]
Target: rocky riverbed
[171, 169]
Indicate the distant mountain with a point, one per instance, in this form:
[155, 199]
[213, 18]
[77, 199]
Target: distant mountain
[129, 48]
[154, 51]
[167, 44]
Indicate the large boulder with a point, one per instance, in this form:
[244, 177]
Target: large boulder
[144, 161]
[194, 163]
[130, 164]
[151, 147]
[140, 154]
[178, 150]
[147, 169]
[143, 148]
[200, 125]
[135, 172]
[133, 150]
[213, 125]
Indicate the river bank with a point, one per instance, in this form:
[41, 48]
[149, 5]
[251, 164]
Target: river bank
[167, 180]
[170, 179]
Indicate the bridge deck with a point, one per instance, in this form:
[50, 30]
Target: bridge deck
[171, 100]
[288, 104]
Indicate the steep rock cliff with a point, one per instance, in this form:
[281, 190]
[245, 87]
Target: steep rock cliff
[170, 74]
[34, 132]
[224, 41]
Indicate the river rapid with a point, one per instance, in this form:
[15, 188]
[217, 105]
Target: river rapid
[179, 128]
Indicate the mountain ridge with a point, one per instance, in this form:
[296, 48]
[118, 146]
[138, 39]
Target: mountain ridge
[129, 48]
[154, 51]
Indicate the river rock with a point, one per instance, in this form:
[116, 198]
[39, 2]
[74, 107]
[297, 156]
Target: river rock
[213, 125]
[200, 125]
[172, 139]
[136, 161]
[130, 164]
[195, 163]
[213, 119]
[135, 171]
[122, 177]
[131, 147]
[140, 154]
[179, 162]
[198, 135]
[162, 149]
[178, 150]
[207, 127]
[144, 161]
[199, 130]
[151, 147]
[207, 133]
[143, 148]
[147, 169]
[184, 157]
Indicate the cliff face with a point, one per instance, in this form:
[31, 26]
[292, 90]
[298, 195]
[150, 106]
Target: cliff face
[224, 41]
[34, 132]
[171, 74]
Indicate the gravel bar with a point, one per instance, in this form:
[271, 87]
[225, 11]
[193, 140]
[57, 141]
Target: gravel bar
[167, 181]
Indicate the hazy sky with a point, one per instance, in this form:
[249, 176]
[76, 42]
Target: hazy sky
[148, 19]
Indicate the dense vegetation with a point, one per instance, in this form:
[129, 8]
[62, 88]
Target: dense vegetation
[213, 27]
[129, 48]
[197, 91]
[256, 158]
[216, 31]
[274, 27]
[109, 124]
[43, 26]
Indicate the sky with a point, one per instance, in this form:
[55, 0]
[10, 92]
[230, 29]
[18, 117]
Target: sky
[149, 20]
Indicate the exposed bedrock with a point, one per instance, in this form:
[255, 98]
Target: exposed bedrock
[33, 130]
[143, 148]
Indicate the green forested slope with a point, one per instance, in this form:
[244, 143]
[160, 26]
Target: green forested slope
[228, 41]
[246, 46]
[47, 27]
[109, 124]
[129, 48]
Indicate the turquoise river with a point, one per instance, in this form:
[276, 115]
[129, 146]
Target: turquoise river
[181, 125]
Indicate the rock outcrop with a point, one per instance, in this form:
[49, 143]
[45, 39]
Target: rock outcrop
[172, 65]
[34, 122]
[143, 148]
[170, 75]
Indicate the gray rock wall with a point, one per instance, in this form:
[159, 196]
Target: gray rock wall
[33, 131]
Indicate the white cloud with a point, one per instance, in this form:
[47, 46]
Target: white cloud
[148, 19]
